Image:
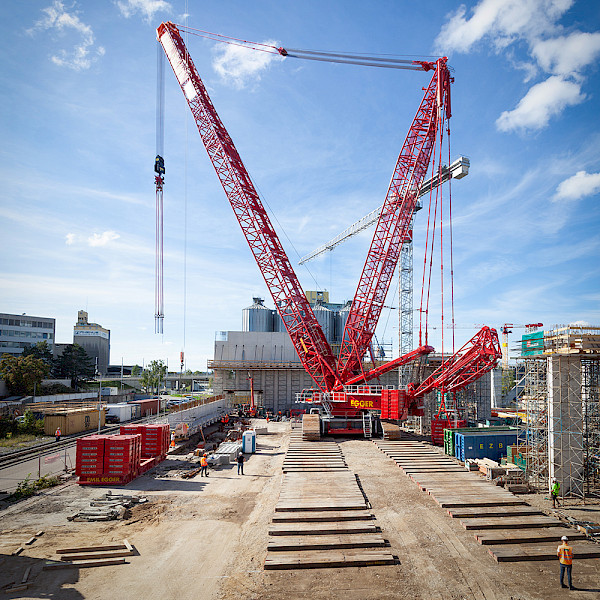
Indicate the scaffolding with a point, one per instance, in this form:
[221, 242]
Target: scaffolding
[559, 412]
[532, 406]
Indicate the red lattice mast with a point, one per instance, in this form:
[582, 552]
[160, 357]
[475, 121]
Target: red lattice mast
[394, 221]
[304, 330]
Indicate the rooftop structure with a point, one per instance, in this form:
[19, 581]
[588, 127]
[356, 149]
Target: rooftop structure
[95, 339]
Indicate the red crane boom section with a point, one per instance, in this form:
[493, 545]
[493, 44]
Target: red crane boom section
[394, 221]
[478, 356]
[304, 330]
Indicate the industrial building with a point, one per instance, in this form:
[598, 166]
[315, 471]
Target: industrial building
[18, 332]
[264, 352]
[95, 340]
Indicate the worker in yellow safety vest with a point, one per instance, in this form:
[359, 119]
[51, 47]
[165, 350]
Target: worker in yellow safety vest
[565, 557]
[204, 465]
[57, 434]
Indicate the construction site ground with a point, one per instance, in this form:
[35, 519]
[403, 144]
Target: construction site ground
[206, 538]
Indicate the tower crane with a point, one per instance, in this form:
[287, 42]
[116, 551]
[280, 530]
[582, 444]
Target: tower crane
[341, 382]
[505, 330]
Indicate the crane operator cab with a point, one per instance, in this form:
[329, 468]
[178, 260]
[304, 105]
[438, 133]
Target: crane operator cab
[159, 165]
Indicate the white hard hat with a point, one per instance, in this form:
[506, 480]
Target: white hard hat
[564, 538]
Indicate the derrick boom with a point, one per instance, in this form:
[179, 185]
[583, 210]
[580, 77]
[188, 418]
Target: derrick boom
[394, 221]
[304, 330]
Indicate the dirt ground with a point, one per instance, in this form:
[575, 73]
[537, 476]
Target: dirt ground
[206, 539]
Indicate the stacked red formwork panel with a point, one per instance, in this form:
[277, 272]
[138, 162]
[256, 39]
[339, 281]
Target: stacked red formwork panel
[438, 425]
[155, 440]
[393, 405]
[89, 461]
[122, 456]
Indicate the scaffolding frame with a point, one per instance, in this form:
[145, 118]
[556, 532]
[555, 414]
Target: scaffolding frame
[559, 418]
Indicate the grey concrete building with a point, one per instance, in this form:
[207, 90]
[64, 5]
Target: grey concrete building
[95, 339]
[18, 332]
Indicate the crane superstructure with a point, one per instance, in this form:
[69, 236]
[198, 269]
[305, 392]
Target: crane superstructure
[340, 381]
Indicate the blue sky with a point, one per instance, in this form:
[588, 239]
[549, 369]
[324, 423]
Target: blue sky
[320, 141]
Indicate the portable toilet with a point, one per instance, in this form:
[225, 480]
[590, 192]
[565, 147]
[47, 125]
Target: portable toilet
[249, 442]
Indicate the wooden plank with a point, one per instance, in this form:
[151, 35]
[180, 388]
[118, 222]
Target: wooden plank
[323, 528]
[30, 541]
[493, 511]
[542, 552]
[26, 575]
[327, 559]
[307, 505]
[91, 549]
[325, 542]
[95, 555]
[459, 502]
[496, 537]
[315, 517]
[84, 564]
[510, 522]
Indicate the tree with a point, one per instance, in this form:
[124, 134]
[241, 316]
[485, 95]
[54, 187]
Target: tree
[22, 373]
[42, 351]
[136, 370]
[153, 375]
[75, 363]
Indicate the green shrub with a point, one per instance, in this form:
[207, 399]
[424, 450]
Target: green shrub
[29, 487]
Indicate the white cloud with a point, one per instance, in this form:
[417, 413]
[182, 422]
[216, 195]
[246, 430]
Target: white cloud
[239, 64]
[148, 8]
[567, 55]
[102, 239]
[70, 239]
[579, 185]
[535, 24]
[543, 101]
[83, 54]
[503, 21]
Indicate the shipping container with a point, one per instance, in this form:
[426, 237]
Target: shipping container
[449, 435]
[149, 407]
[122, 411]
[73, 420]
[492, 445]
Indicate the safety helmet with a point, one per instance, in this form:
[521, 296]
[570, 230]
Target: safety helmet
[564, 538]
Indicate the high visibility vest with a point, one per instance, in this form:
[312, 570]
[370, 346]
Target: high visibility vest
[57, 432]
[565, 554]
[203, 462]
[555, 488]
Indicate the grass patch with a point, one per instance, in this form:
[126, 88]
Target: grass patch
[29, 486]
[17, 440]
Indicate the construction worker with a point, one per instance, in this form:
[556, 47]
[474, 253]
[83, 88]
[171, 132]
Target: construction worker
[172, 439]
[240, 463]
[204, 465]
[554, 489]
[565, 557]
[57, 434]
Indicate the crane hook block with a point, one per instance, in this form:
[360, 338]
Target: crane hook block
[159, 165]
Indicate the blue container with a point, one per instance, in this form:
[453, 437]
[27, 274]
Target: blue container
[492, 445]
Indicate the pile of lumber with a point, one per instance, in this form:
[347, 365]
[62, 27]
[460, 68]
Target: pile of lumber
[91, 556]
[311, 427]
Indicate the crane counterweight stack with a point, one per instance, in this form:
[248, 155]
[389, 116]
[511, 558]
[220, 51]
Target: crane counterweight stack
[341, 382]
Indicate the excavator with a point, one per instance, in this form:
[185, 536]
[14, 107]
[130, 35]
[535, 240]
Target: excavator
[342, 395]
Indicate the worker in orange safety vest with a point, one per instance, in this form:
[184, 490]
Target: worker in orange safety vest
[57, 434]
[565, 557]
[204, 465]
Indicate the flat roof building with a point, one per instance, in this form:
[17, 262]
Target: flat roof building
[18, 332]
[94, 339]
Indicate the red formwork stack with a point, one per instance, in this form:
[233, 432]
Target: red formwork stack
[155, 439]
[89, 461]
[122, 456]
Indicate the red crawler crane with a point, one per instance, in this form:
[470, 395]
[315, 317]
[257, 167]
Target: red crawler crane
[334, 378]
